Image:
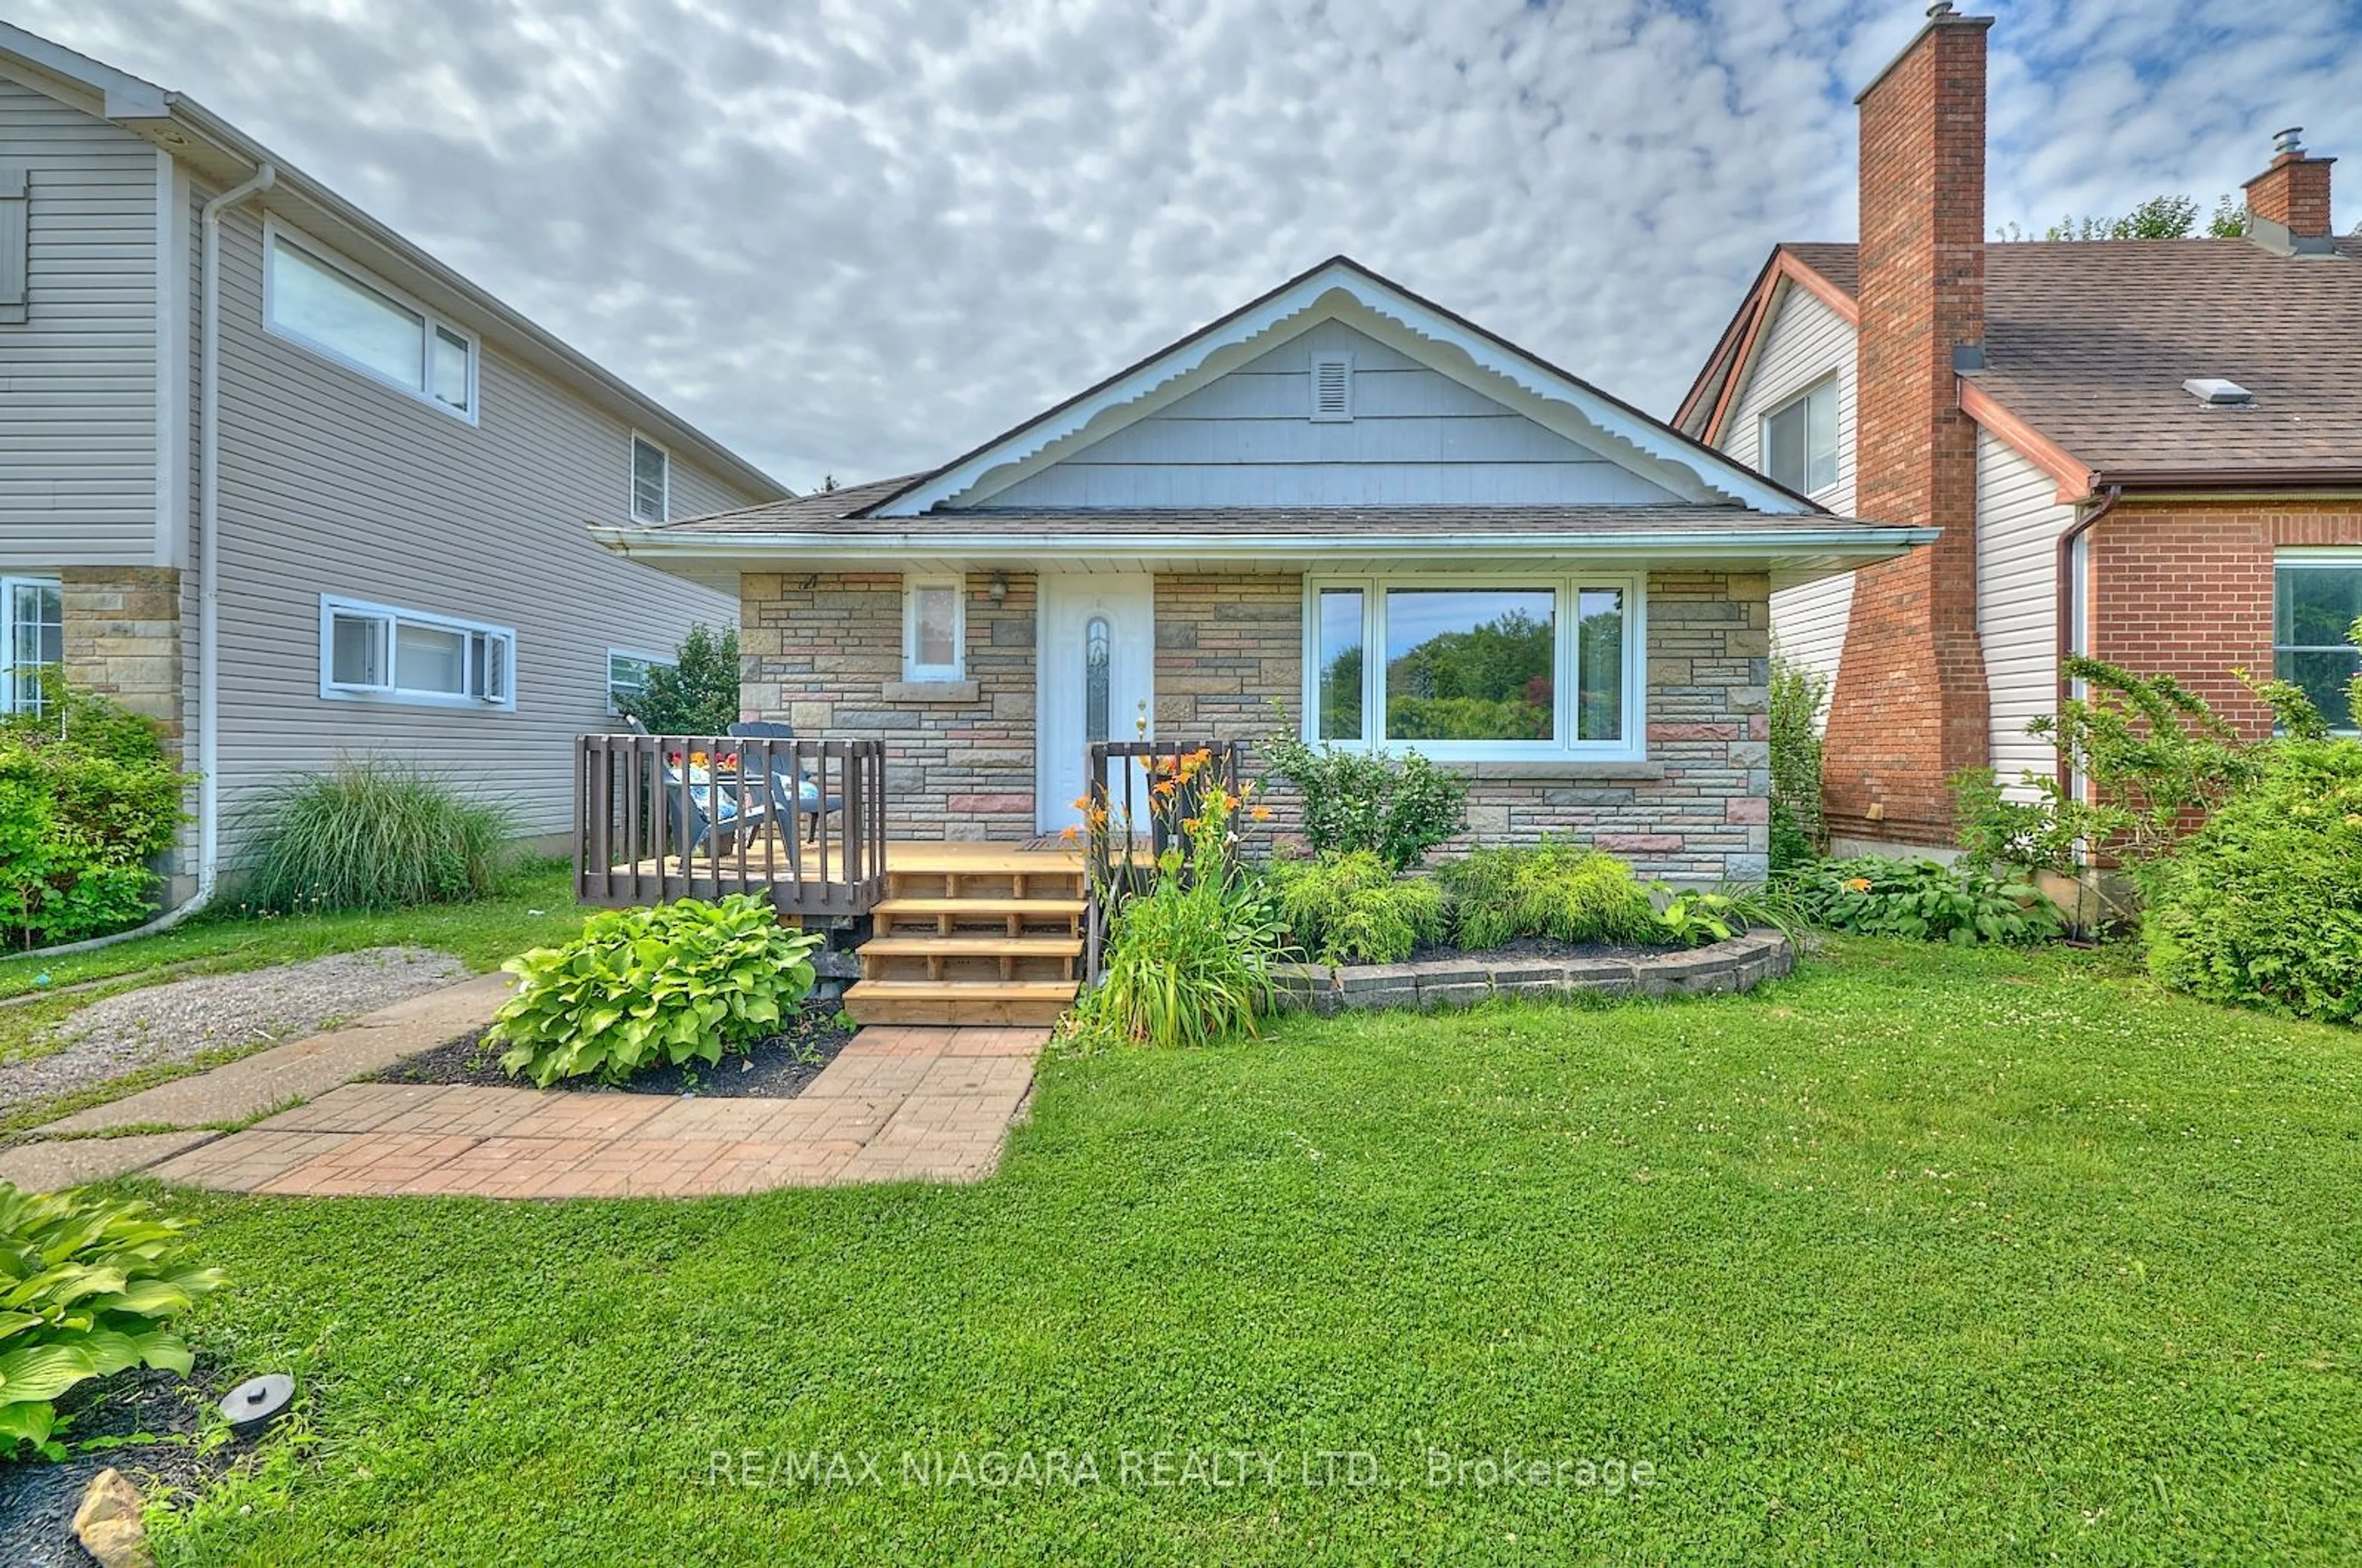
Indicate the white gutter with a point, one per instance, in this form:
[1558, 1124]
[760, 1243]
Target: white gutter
[208, 575]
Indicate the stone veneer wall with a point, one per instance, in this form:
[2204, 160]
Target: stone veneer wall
[123, 638]
[824, 652]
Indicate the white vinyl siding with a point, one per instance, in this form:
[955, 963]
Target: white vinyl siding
[32, 639]
[1407, 436]
[78, 375]
[2019, 519]
[331, 486]
[1805, 343]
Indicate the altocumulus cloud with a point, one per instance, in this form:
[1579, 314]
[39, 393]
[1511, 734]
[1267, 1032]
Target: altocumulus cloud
[858, 235]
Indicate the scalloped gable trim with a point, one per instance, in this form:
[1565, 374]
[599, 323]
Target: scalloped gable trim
[1435, 337]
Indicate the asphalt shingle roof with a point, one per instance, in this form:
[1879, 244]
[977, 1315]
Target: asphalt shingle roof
[2089, 342]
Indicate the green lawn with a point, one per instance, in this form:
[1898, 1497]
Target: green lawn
[1923, 1256]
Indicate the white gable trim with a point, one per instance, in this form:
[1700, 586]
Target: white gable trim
[1341, 292]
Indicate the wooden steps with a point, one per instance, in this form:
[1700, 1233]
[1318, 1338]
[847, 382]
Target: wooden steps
[972, 935]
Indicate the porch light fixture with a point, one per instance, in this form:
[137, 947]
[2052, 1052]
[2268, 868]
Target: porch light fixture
[999, 588]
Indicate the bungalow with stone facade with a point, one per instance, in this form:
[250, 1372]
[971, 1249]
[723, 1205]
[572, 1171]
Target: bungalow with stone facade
[1341, 507]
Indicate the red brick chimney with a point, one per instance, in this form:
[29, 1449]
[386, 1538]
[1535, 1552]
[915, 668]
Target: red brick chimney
[1910, 707]
[2288, 204]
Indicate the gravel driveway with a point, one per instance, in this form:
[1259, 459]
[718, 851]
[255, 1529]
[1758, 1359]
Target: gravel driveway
[182, 1019]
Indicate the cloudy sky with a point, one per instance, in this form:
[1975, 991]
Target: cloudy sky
[856, 236]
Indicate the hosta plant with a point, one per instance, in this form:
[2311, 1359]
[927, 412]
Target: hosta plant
[653, 987]
[1872, 895]
[86, 1287]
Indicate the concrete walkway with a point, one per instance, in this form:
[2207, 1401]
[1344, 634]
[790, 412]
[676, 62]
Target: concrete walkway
[910, 1103]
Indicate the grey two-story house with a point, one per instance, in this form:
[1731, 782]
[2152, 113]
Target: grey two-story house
[278, 477]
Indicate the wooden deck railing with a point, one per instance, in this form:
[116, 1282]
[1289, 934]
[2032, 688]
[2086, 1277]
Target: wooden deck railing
[665, 817]
[1127, 816]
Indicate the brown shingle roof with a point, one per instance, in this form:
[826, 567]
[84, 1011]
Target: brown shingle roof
[795, 514]
[2089, 342]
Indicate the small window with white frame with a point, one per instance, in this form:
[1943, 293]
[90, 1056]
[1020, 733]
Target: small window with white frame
[377, 653]
[1800, 440]
[935, 629]
[628, 675]
[32, 640]
[328, 306]
[651, 481]
[1532, 666]
[2316, 598]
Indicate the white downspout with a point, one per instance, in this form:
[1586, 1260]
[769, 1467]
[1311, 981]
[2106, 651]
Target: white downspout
[265, 175]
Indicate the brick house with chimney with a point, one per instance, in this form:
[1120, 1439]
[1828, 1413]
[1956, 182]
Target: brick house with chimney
[2149, 451]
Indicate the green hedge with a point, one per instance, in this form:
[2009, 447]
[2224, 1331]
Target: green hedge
[2263, 905]
[86, 801]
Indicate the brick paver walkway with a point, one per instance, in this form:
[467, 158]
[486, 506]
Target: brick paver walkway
[906, 1103]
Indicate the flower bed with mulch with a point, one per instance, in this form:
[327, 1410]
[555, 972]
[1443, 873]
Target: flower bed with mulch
[779, 1067]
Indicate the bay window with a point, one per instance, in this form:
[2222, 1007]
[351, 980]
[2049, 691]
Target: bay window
[1527, 666]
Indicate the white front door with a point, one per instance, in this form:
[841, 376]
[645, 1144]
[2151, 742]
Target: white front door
[1094, 659]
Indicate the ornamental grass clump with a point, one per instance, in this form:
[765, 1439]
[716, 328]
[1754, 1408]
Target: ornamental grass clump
[373, 834]
[1188, 956]
[1349, 908]
[653, 988]
[87, 1286]
[1556, 888]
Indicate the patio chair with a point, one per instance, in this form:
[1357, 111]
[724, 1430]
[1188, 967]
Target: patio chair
[707, 807]
[804, 799]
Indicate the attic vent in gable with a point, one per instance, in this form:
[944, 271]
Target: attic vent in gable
[1332, 388]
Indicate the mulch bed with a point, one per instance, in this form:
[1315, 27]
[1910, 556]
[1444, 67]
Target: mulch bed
[779, 1067]
[157, 1410]
[1544, 949]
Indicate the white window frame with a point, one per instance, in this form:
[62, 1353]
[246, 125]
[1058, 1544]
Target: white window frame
[1568, 588]
[912, 586]
[480, 635]
[632, 479]
[1801, 398]
[2319, 559]
[275, 233]
[9, 674]
[652, 661]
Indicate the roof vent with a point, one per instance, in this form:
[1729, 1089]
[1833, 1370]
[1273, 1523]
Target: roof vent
[2285, 142]
[1332, 388]
[2217, 392]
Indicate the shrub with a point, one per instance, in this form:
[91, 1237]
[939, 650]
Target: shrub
[1349, 909]
[372, 835]
[87, 1285]
[1188, 958]
[1796, 697]
[86, 801]
[643, 988]
[1874, 895]
[698, 695]
[1556, 888]
[1398, 809]
[2263, 905]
